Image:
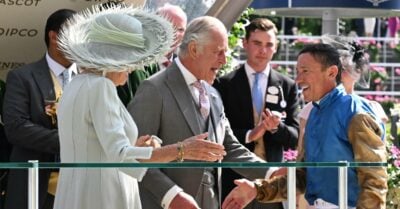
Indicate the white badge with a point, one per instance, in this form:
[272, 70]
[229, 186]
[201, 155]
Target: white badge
[272, 99]
[273, 90]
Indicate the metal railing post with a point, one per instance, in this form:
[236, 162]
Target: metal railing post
[33, 185]
[291, 187]
[343, 186]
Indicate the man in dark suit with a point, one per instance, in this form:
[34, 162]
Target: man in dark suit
[33, 133]
[5, 149]
[178, 103]
[179, 20]
[260, 103]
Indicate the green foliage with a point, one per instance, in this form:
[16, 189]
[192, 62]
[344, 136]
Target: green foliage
[397, 50]
[388, 104]
[378, 74]
[310, 26]
[373, 48]
[236, 33]
[378, 77]
[393, 165]
[393, 171]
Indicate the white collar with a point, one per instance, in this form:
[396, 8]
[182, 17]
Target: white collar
[250, 71]
[57, 68]
[187, 75]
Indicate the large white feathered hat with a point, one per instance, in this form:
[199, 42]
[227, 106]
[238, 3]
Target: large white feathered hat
[115, 38]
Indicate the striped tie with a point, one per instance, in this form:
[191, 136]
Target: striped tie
[204, 103]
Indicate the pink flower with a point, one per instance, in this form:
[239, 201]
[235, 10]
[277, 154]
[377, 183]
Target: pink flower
[395, 151]
[369, 97]
[396, 163]
[379, 69]
[379, 98]
[397, 70]
[372, 42]
[378, 80]
[274, 66]
[290, 155]
[303, 40]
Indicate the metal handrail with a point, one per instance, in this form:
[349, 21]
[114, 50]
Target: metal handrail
[33, 171]
[33, 185]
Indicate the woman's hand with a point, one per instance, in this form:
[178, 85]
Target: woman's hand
[148, 141]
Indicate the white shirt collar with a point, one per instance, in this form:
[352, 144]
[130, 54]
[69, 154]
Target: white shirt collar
[187, 75]
[58, 68]
[54, 66]
[250, 71]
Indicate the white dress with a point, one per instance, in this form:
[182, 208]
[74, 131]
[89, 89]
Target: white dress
[94, 126]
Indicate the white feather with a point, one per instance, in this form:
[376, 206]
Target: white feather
[102, 54]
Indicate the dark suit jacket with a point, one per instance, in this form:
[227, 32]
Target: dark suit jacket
[28, 128]
[127, 91]
[5, 149]
[236, 95]
[164, 106]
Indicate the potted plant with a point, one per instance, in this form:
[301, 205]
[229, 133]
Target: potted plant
[378, 78]
[396, 50]
[393, 196]
[373, 48]
[299, 43]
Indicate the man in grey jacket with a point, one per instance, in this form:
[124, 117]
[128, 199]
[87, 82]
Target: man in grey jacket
[179, 102]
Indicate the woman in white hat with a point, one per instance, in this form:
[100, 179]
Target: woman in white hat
[94, 126]
[356, 70]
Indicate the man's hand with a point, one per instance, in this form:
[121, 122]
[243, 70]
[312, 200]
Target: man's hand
[197, 148]
[273, 119]
[183, 200]
[269, 122]
[241, 195]
[279, 172]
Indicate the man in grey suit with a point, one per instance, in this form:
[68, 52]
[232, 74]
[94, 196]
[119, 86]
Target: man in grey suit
[179, 102]
[33, 133]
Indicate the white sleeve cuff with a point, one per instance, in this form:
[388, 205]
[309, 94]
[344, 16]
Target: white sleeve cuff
[247, 140]
[270, 171]
[167, 199]
[138, 152]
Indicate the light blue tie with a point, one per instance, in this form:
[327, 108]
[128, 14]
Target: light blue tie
[66, 78]
[256, 94]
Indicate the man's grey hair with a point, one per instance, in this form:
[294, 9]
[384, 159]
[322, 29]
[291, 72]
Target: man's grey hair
[199, 31]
